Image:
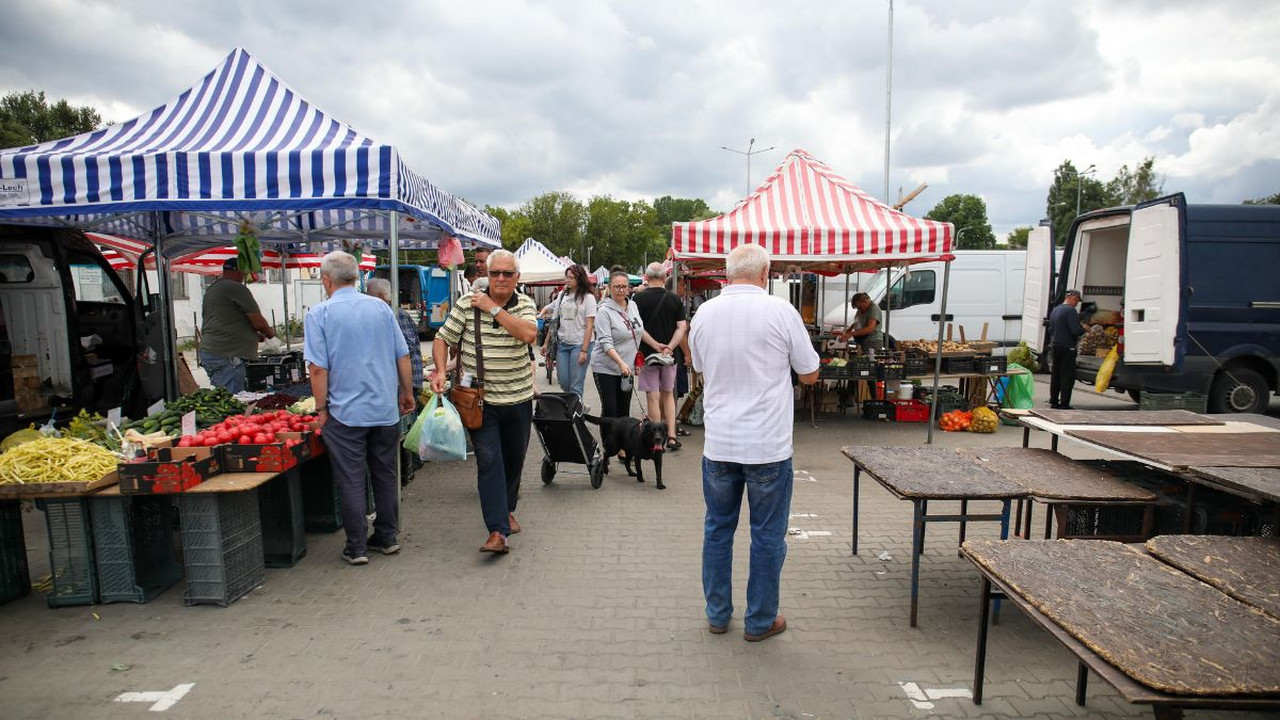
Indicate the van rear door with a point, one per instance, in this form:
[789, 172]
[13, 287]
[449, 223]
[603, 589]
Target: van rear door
[1154, 316]
[1035, 287]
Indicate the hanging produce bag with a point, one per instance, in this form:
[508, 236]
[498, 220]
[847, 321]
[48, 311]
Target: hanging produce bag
[443, 436]
[449, 253]
[1103, 379]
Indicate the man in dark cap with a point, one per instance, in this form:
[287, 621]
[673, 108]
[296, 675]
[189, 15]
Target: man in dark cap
[232, 328]
[1064, 330]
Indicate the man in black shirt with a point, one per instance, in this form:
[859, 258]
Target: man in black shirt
[1064, 330]
[663, 316]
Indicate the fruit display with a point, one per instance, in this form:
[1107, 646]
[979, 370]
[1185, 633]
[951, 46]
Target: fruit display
[275, 401]
[54, 460]
[259, 429]
[956, 420]
[984, 420]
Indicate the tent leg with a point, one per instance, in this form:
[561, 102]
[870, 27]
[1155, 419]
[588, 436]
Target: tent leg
[169, 351]
[284, 293]
[937, 356]
[393, 223]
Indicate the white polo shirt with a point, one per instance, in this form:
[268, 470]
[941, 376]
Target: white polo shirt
[745, 342]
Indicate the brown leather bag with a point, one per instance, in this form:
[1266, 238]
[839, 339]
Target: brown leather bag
[469, 401]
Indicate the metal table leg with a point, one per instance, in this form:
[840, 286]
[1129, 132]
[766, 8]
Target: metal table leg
[980, 658]
[924, 512]
[964, 511]
[917, 544]
[1026, 533]
[857, 471]
[1026, 436]
[1082, 682]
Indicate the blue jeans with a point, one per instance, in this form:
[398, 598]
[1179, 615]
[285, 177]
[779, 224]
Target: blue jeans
[570, 374]
[769, 500]
[500, 445]
[224, 372]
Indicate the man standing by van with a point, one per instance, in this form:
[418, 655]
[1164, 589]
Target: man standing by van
[1064, 330]
[232, 328]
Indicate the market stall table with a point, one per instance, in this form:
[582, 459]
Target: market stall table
[923, 474]
[1155, 634]
[1246, 568]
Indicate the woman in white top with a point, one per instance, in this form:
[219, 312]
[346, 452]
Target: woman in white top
[575, 313]
[618, 332]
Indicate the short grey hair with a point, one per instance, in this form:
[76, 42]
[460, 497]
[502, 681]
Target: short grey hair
[501, 255]
[379, 288]
[746, 261]
[655, 271]
[340, 267]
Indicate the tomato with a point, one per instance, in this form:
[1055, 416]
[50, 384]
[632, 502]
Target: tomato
[245, 439]
[210, 441]
[185, 441]
[260, 439]
[271, 437]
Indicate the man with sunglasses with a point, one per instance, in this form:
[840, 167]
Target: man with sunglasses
[508, 328]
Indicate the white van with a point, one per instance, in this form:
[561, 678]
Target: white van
[985, 288]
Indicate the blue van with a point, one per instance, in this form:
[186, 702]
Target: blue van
[1195, 289]
[424, 294]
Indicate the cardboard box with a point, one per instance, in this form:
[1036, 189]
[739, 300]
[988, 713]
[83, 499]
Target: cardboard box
[272, 457]
[171, 470]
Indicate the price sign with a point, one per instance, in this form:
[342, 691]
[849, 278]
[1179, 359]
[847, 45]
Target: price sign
[189, 423]
[158, 407]
[113, 417]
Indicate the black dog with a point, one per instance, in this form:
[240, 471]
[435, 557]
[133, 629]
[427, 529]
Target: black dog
[639, 439]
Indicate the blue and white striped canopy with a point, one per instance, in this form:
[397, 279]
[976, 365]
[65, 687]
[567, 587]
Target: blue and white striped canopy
[239, 147]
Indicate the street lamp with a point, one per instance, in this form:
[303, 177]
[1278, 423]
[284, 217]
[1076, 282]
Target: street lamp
[960, 232]
[748, 152]
[1087, 171]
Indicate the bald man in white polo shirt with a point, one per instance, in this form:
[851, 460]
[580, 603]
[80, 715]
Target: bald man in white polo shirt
[746, 343]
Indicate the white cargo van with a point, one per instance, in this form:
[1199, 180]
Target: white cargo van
[985, 288]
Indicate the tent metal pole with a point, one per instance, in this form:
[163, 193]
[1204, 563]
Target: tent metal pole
[393, 223]
[169, 351]
[847, 273]
[888, 306]
[937, 354]
[284, 294]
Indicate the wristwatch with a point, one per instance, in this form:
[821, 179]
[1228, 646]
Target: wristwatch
[495, 310]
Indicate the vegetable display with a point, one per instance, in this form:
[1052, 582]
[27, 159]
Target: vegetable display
[249, 429]
[956, 420]
[1023, 356]
[984, 420]
[50, 459]
[211, 406]
[24, 435]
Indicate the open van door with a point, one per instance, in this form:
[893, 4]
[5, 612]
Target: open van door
[1154, 321]
[1035, 287]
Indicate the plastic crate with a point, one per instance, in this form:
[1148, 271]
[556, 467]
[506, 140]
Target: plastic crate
[910, 411]
[1101, 520]
[840, 372]
[15, 577]
[917, 366]
[73, 577]
[957, 365]
[990, 365]
[284, 539]
[321, 511]
[133, 547]
[890, 371]
[1195, 402]
[221, 546]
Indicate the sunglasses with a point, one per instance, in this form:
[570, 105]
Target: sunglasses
[502, 273]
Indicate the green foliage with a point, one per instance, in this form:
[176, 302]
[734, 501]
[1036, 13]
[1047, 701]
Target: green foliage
[670, 210]
[26, 118]
[1269, 200]
[1130, 187]
[622, 233]
[1067, 189]
[969, 214]
[555, 219]
[1017, 237]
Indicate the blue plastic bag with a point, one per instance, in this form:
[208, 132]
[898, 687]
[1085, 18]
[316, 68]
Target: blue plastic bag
[443, 435]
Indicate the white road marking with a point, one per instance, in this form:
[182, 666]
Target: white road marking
[161, 700]
[922, 697]
[806, 534]
[803, 515]
[805, 475]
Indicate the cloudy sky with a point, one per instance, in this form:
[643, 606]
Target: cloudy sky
[501, 101]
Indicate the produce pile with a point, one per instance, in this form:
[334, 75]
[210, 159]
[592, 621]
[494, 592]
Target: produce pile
[1023, 356]
[276, 401]
[250, 430]
[211, 406]
[52, 459]
[956, 420]
[1098, 337]
[984, 420]
[930, 347]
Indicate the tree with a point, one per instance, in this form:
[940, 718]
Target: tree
[1130, 187]
[622, 233]
[969, 214]
[1017, 237]
[1067, 189]
[26, 118]
[1270, 200]
[670, 210]
[555, 219]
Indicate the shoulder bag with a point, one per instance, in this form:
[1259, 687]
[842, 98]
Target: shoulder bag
[639, 361]
[469, 401]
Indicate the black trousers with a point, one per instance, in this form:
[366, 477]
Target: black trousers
[1063, 378]
[614, 401]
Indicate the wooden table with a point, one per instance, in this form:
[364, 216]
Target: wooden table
[921, 474]
[1118, 609]
[1246, 568]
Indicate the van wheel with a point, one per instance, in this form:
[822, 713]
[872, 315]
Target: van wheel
[1239, 390]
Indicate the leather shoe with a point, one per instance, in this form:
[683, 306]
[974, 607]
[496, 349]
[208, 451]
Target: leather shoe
[779, 626]
[495, 544]
[511, 520]
[717, 629]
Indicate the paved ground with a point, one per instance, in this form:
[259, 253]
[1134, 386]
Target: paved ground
[597, 612]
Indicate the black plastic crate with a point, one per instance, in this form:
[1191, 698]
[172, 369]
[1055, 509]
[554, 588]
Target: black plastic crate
[917, 366]
[15, 577]
[320, 509]
[957, 365]
[275, 371]
[133, 546]
[1103, 520]
[839, 372]
[890, 371]
[284, 539]
[73, 577]
[985, 365]
[221, 546]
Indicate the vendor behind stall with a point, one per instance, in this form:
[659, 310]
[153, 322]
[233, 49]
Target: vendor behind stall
[867, 324]
[232, 328]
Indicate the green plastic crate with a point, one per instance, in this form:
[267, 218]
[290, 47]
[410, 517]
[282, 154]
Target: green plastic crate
[133, 546]
[1195, 402]
[73, 577]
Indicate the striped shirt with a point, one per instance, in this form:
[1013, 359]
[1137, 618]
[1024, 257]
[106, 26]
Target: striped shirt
[508, 376]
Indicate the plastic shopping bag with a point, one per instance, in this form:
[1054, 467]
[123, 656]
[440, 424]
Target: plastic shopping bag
[414, 435]
[1021, 388]
[449, 253]
[1103, 380]
[443, 436]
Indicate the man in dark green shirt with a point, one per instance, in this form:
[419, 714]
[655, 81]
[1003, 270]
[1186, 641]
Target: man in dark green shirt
[232, 328]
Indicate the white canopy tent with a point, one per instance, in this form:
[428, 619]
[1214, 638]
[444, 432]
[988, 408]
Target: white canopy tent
[539, 265]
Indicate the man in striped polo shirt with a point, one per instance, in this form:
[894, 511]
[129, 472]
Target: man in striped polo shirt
[508, 327]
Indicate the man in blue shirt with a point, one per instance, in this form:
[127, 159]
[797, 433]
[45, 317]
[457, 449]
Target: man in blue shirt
[1064, 330]
[359, 364]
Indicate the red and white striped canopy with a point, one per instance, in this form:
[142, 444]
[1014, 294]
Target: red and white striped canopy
[123, 253]
[806, 215]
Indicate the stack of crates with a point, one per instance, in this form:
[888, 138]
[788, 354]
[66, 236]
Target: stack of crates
[15, 578]
[284, 541]
[320, 509]
[73, 578]
[133, 545]
[221, 545]
[1195, 402]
